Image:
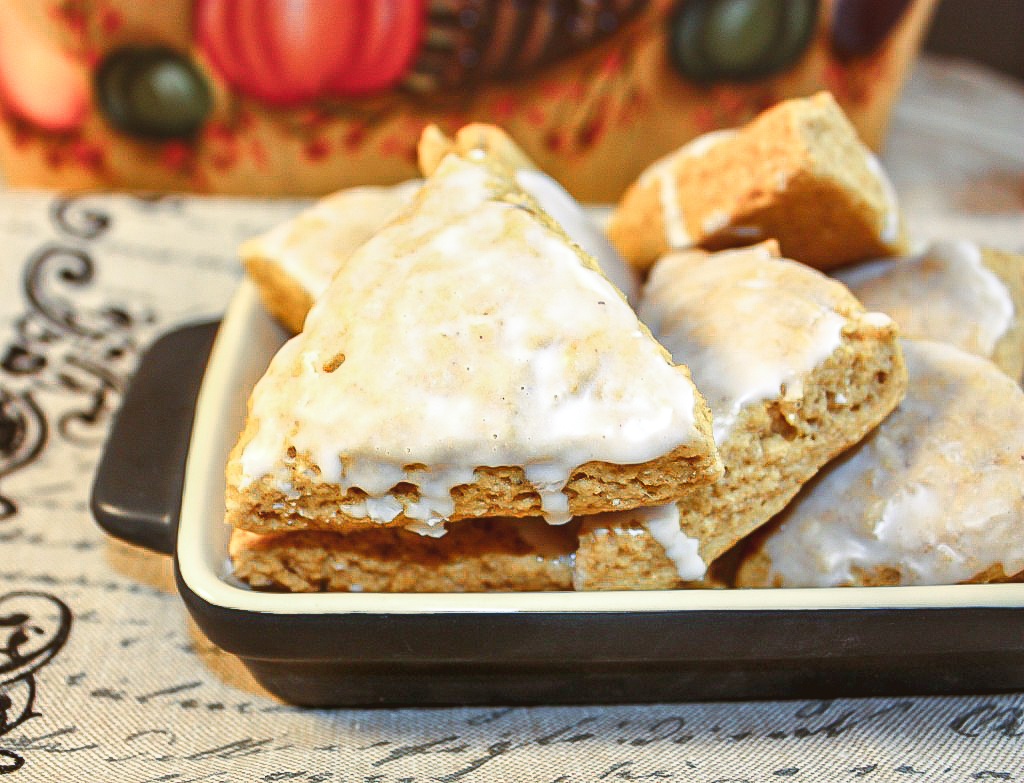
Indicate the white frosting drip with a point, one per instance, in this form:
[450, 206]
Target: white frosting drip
[556, 201]
[311, 246]
[676, 234]
[936, 492]
[663, 525]
[889, 231]
[433, 528]
[748, 325]
[662, 522]
[944, 292]
[473, 335]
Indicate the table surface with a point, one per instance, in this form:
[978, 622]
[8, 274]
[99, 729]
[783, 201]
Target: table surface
[135, 693]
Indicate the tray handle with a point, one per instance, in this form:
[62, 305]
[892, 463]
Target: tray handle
[136, 495]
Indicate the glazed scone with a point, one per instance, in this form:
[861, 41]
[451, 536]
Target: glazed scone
[293, 262]
[467, 361]
[795, 372]
[797, 173]
[934, 496]
[954, 291]
[474, 556]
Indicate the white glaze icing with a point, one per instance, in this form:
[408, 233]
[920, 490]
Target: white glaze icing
[556, 201]
[676, 235]
[937, 491]
[473, 335]
[311, 246]
[748, 325]
[663, 525]
[662, 522]
[889, 231]
[943, 292]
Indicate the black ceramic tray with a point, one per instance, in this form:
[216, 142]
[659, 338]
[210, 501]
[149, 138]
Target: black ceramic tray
[162, 489]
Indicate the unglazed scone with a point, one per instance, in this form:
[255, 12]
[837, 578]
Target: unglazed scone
[954, 291]
[293, 262]
[797, 173]
[934, 496]
[474, 556]
[795, 371]
[468, 360]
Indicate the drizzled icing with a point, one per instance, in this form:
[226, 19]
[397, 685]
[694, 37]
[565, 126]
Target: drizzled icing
[747, 324]
[663, 524]
[472, 334]
[676, 235]
[944, 292]
[311, 246]
[937, 491]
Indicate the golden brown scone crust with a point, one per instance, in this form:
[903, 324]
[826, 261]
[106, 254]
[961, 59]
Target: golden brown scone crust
[496, 491]
[797, 173]
[282, 295]
[473, 556]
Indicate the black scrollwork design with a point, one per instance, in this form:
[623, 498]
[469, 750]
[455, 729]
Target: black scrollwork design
[33, 628]
[22, 437]
[82, 353]
[72, 267]
[76, 220]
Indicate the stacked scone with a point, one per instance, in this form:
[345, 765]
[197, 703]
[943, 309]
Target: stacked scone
[467, 370]
[471, 404]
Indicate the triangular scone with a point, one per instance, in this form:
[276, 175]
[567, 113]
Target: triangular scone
[467, 361]
[475, 555]
[293, 262]
[795, 371]
[934, 496]
[954, 291]
[797, 173]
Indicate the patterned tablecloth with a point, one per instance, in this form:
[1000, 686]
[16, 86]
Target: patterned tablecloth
[124, 688]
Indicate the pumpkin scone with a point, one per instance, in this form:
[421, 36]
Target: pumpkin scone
[796, 173]
[468, 360]
[795, 371]
[934, 496]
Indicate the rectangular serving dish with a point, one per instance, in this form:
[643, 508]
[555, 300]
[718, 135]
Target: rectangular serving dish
[503, 648]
